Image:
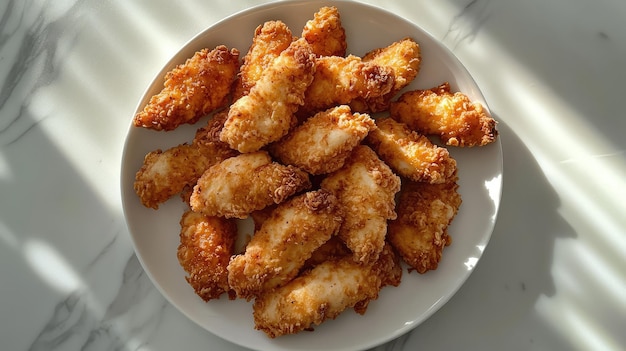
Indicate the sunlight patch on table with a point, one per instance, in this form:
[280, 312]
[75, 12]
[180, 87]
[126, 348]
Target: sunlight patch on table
[599, 272]
[7, 236]
[148, 25]
[51, 266]
[574, 324]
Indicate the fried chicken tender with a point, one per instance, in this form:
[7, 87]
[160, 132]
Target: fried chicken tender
[164, 174]
[270, 39]
[365, 187]
[192, 90]
[425, 211]
[248, 182]
[285, 241]
[325, 33]
[206, 244]
[452, 116]
[410, 154]
[323, 293]
[323, 142]
[404, 58]
[339, 80]
[266, 114]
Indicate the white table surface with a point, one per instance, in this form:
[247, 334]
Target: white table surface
[553, 72]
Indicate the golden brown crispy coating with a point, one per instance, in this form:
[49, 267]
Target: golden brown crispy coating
[365, 187]
[267, 113]
[270, 39]
[404, 58]
[339, 80]
[389, 266]
[192, 90]
[207, 139]
[425, 211]
[325, 33]
[206, 244]
[410, 154]
[451, 116]
[248, 182]
[322, 143]
[285, 241]
[164, 174]
[332, 249]
[323, 293]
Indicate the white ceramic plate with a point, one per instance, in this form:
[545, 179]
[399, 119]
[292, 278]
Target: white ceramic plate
[155, 234]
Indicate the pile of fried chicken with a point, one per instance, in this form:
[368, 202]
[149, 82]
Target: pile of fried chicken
[338, 198]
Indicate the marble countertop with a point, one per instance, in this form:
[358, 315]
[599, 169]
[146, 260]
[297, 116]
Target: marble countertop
[553, 276]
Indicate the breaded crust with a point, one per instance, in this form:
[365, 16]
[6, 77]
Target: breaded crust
[340, 80]
[325, 33]
[452, 116]
[403, 57]
[366, 189]
[323, 142]
[245, 183]
[323, 293]
[164, 174]
[192, 90]
[284, 242]
[270, 39]
[410, 154]
[420, 232]
[266, 114]
[206, 244]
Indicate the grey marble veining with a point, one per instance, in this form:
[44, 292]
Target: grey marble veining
[132, 316]
[33, 42]
[466, 24]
